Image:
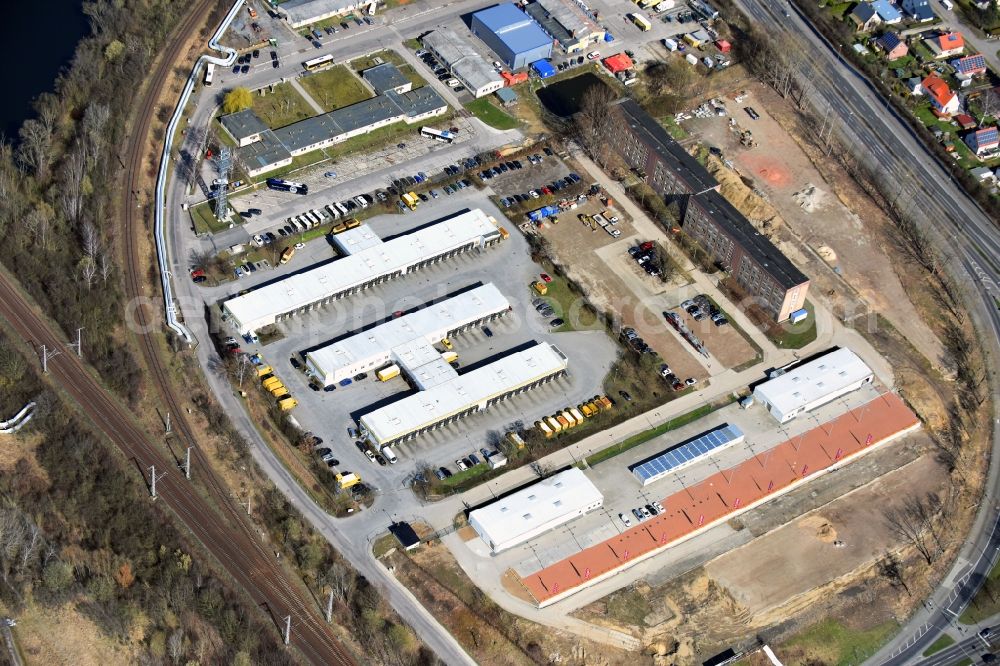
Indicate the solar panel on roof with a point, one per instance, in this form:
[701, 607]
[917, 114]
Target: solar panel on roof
[691, 450]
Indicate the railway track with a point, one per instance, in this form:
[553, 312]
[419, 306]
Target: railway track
[222, 528]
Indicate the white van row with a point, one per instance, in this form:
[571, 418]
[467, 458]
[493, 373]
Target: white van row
[331, 212]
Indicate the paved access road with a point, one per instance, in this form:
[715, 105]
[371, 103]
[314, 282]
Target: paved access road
[970, 242]
[970, 647]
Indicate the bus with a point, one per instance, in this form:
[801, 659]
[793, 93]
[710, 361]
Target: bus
[287, 186]
[444, 136]
[318, 63]
[641, 21]
[209, 73]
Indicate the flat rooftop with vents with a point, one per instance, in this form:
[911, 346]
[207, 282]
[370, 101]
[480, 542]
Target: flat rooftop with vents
[540, 507]
[449, 399]
[377, 262]
[813, 384]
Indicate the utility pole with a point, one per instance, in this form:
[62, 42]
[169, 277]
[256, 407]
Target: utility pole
[46, 355]
[288, 629]
[78, 345]
[187, 463]
[329, 608]
[249, 499]
[166, 430]
[153, 478]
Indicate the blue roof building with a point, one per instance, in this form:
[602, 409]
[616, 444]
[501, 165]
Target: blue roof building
[512, 35]
[887, 12]
[920, 10]
[543, 68]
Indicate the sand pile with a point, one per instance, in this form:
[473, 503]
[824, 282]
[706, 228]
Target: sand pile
[761, 213]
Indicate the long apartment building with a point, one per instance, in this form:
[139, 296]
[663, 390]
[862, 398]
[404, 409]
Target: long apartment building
[370, 261]
[756, 264]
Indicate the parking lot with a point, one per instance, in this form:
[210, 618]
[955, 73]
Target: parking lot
[623, 492]
[330, 414]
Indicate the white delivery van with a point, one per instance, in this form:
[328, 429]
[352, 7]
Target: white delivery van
[389, 454]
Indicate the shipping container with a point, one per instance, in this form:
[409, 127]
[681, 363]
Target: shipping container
[348, 480]
[515, 440]
[547, 431]
[554, 424]
[564, 423]
[385, 374]
[576, 413]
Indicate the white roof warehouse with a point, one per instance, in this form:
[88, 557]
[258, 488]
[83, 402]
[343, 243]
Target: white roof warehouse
[401, 340]
[450, 400]
[536, 509]
[378, 261]
[813, 384]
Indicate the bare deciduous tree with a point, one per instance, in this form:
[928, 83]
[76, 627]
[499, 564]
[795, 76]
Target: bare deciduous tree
[341, 580]
[36, 145]
[890, 568]
[914, 522]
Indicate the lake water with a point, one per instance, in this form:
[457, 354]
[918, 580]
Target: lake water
[563, 98]
[40, 39]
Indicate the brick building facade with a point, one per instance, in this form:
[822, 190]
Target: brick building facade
[753, 261]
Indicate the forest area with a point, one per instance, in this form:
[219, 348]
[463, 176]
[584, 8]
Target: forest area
[59, 177]
[77, 528]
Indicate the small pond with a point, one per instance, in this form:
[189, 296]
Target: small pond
[563, 98]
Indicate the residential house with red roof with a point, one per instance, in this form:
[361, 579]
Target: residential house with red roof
[946, 44]
[944, 101]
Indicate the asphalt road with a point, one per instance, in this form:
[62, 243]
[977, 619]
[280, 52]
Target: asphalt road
[970, 243]
[971, 647]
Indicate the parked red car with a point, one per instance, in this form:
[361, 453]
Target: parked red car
[546, 277]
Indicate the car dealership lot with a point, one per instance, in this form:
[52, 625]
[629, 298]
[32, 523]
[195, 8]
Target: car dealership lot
[329, 414]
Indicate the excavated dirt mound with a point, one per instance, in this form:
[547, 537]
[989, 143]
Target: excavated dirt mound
[757, 209]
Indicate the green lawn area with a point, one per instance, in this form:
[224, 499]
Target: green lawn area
[484, 109]
[410, 73]
[629, 607]
[830, 642]
[568, 306]
[840, 9]
[376, 139]
[335, 88]
[282, 106]
[204, 219]
[462, 479]
[367, 61]
[987, 600]
[643, 437]
[412, 44]
[941, 643]
[673, 128]
[796, 336]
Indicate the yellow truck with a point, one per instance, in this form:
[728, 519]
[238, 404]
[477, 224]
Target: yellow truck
[588, 410]
[411, 200]
[605, 402]
[545, 430]
[554, 424]
[287, 254]
[264, 370]
[352, 223]
[338, 228]
[288, 403]
[387, 373]
[449, 356]
[640, 21]
[278, 391]
[576, 414]
[504, 234]
[347, 480]
[271, 382]
[563, 422]
[446, 343]
[568, 415]
[515, 440]
[540, 287]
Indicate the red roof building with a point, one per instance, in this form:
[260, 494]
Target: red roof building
[619, 62]
[723, 45]
[944, 101]
[511, 79]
